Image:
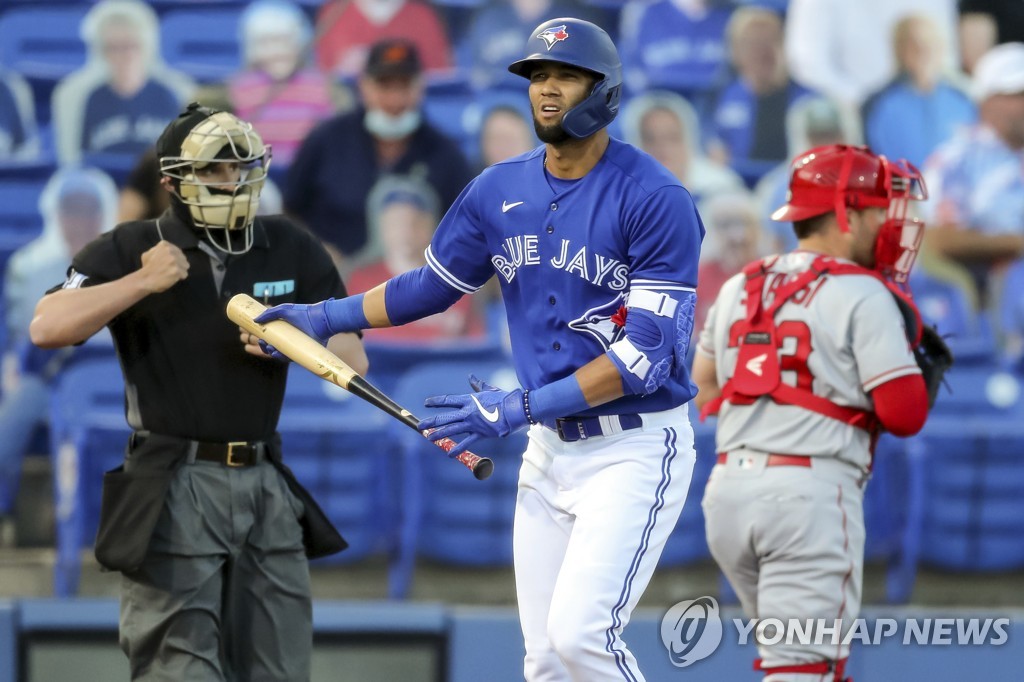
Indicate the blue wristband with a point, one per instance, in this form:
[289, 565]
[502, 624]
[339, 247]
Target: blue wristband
[558, 399]
[346, 314]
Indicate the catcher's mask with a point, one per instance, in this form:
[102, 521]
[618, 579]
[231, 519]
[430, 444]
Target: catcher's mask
[225, 211]
[836, 177]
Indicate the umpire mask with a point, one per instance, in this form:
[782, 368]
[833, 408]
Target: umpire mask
[224, 209]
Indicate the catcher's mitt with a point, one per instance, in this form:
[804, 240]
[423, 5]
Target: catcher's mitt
[934, 358]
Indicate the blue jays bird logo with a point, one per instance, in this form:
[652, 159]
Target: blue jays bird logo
[598, 322]
[554, 35]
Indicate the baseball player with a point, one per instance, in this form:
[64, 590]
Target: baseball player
[595, 246]
[807, 357]
[206, 524]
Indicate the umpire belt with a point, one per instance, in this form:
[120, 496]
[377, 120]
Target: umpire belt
[572, 429]
[232, 454]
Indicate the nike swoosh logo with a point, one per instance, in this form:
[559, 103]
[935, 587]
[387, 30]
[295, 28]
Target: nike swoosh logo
[491, 416]
[506, 207]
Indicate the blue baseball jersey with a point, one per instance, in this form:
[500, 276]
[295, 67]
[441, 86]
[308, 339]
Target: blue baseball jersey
[566, 254]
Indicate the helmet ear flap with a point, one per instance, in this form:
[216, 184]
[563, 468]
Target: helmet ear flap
[595, 112]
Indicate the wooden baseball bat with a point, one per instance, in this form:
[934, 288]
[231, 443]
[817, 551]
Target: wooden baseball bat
[306, 351]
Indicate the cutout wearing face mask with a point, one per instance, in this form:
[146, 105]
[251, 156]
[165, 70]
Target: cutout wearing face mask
[387, 127]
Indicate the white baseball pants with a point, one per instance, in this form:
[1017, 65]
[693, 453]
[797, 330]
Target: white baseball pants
[592, 518]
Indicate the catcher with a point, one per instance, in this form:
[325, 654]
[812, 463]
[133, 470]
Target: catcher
[807, 357]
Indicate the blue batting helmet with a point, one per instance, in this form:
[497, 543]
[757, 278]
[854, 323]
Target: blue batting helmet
[586, 46]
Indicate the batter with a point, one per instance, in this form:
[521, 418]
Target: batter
[595, 246]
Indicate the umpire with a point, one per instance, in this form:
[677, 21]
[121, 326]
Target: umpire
[208, 527]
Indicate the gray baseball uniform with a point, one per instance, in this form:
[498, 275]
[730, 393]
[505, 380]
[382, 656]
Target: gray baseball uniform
[784, 505]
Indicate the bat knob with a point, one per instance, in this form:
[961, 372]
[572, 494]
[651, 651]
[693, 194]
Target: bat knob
[483, 469]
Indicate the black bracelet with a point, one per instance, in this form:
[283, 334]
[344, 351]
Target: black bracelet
[526, 406]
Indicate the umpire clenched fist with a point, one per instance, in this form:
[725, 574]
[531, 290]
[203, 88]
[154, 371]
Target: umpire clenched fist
[163, 266]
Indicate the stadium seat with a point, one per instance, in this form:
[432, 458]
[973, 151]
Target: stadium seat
[338, 447]
[1010, 307]
[202, 41]
[89, 434]
[390, 361]
[19, 206]
[945, 306]
[43, 42]
[979, 390]
[20, 219]
[966, 511]
[447, 109]
[886, 514]
[448, 515]
[752, 170]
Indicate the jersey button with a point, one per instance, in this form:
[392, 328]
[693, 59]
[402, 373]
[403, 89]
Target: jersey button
[551, 300]
[550, 229]
[554, 207]
[556, 345]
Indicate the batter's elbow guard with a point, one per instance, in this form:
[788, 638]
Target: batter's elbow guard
[640, 375]
[658, 328]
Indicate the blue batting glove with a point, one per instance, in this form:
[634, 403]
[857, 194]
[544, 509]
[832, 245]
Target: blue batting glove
[479, 384]
[487, 413]
[310, 319]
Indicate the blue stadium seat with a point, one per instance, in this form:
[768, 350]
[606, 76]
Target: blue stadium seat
[389, 362]
[752, 170]
[887, 501]
[338, 447]
[20, 219]
[979, 390]
[448, 515]
[1011, 305]
[945, 306]
[89, 434]
[446, 106]
[967, 513]
[43, 42]
[202, 41]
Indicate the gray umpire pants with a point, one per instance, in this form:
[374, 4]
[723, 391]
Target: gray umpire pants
[224, 592]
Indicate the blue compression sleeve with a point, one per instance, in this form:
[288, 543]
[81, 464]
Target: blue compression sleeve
[416, 294]
[345, 314]
[560, 398]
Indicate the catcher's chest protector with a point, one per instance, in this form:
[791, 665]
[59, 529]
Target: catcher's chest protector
[757, 370]
[757, 366]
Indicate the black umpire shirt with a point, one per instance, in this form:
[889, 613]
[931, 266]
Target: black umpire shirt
[186, 371]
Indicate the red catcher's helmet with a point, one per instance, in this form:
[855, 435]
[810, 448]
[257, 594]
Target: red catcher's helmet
[836, 177]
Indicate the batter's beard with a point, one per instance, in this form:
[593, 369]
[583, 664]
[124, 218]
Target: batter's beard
[552, 134]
